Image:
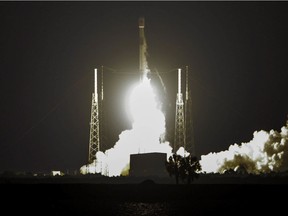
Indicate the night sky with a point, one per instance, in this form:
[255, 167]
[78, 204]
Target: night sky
[236, 52]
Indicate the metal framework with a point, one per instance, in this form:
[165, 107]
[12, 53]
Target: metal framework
[102, 118]
[94, 141]
[189, 130]
[179, 138]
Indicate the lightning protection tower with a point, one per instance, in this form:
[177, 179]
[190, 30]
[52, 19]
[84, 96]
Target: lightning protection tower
[94, 141]
[179, 137]
[189, 130]
[102, 117]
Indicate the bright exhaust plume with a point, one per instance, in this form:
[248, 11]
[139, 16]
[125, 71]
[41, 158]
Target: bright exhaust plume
[148, 127]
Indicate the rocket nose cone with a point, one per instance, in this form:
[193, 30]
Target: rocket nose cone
[141, 22]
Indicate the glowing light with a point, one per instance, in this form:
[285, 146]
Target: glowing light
[57, 173]
[148, 126]
[147, 118]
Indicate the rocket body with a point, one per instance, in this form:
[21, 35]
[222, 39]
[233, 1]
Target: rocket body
[142, 49]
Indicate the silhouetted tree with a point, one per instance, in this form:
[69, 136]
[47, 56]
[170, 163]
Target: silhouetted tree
[184, 167]
[173, 166]
[193, 168]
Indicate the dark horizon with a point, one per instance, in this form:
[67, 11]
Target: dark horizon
[236, 53]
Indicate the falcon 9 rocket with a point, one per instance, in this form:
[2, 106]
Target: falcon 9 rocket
[143, 67]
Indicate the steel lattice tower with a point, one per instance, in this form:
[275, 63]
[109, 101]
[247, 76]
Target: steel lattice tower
[179, 138]
[189, 130]
[94, 142]
[102, 125]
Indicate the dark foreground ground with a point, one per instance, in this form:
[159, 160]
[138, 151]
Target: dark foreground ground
[55, 196]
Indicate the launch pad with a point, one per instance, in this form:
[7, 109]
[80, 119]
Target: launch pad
[148, 128]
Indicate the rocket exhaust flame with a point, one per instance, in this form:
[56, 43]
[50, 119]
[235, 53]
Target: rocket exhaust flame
[144, 137]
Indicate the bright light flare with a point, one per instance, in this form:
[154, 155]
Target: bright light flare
[148, 126]
[147, 119]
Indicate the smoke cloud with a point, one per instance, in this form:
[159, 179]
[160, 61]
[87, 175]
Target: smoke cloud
[266, 152]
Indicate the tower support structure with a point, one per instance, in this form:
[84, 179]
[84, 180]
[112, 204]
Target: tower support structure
[94, 141]
[179, 137]
[102, 117]
[189, 129]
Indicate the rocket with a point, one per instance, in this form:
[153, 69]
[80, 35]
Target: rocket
[142, 49]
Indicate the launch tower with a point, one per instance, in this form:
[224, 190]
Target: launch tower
[94, 141]
[189, 130]
[102, 115]
[179, 138]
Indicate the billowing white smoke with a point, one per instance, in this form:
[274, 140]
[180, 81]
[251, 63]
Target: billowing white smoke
[266, 152]
[182, 152]
[145, 136]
